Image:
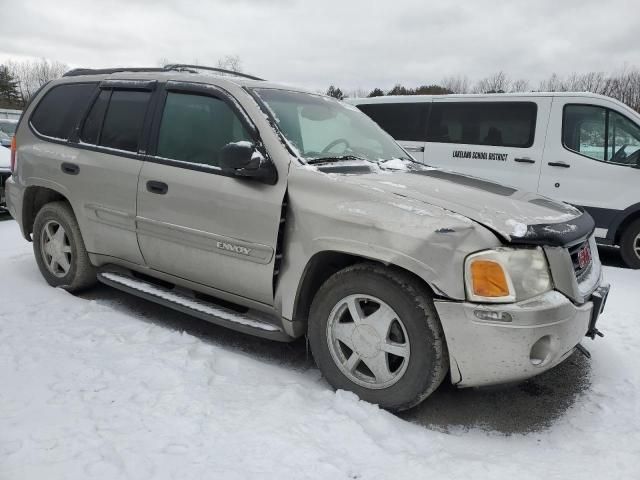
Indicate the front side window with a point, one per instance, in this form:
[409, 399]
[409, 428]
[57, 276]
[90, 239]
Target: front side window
[584, 130]
[600, 133]
[403, 121]
[321, 127]
[195, 128]
[61, 108]
[623, 139]
[499, 124]
[124, 119]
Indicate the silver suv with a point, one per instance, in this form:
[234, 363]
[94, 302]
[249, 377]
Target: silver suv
[282, 213]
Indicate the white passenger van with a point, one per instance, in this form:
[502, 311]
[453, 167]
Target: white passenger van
[581, 148]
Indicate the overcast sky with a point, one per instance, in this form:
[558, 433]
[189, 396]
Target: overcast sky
[350, 43]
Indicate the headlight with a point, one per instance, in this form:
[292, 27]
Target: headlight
[506, 275]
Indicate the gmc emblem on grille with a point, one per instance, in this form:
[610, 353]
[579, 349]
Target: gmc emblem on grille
[584, 257]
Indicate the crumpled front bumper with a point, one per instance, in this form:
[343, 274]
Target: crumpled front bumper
[543, 331]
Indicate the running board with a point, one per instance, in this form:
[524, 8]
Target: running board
[250, 322]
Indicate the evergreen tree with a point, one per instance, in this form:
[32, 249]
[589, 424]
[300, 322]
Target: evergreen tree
[335, 92]
[432, 90]
[9, 95]
[400, 90]
[376, 92]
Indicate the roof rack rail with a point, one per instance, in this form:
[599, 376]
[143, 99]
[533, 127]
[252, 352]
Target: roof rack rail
[101, 71]
[179, 67]
[186, 67]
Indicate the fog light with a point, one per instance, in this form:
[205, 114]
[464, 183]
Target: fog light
[541, 351]
[493, 316]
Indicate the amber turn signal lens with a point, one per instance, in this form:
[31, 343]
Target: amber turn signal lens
[488, 279]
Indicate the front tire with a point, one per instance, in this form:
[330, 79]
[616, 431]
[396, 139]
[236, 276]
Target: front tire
[59, 248]
[630, 245]
[374, 331]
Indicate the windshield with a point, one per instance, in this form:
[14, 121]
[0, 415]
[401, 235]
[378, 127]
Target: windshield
[321, 127]
[8, 127]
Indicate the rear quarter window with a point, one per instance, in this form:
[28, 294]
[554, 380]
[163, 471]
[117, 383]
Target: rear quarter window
[60, 109]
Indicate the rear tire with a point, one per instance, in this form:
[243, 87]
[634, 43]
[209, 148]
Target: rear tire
[59, 248]
[395, 354]
[630, 245]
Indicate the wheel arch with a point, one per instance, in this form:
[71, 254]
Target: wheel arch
[324, 264]
[35, 197]
[629, 215]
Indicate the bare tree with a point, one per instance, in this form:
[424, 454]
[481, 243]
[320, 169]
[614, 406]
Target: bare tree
[31, 75]
[230, 62]
[518, 86]
[553, 84]
[496, 83]
[456, 84]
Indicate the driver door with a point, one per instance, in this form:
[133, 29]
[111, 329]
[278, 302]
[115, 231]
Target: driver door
[584, 163]
[194, 221]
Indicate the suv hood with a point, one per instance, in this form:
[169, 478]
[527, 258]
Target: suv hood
[517, 216]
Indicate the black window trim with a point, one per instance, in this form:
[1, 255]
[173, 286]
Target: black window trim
[119, 85]
[606, 131]
[532, 135]
[34, 130]
[207, 90]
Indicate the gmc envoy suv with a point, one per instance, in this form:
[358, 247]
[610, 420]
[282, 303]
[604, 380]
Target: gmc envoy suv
[283, 213]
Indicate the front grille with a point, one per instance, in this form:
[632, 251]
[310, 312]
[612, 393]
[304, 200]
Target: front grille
[580, 271]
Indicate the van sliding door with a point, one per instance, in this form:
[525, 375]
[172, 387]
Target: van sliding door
[500, 139]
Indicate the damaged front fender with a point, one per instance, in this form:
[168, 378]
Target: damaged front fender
[329, 212]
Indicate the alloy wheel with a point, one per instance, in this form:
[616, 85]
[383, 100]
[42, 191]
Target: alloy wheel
[368, 341]
[56, 249]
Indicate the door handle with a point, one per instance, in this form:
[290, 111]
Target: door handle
[559, 164]
[70, 168]
[524, 160]
[414, 149]
[159, 188]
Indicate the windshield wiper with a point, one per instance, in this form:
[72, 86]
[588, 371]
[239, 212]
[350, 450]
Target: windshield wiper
[341, 158]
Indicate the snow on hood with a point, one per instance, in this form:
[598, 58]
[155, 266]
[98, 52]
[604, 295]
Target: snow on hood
[505, 210]
[5, 158]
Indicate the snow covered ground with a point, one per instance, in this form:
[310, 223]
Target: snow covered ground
[90, 388]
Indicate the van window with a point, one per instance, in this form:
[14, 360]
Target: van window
[93, 122]
[124, 119]
[599, 133]
[61, 108]
[623, 139]
[499, 124]
[403, 121]
[194, 128]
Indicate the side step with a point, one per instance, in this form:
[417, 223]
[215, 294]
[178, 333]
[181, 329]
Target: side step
[250, 322]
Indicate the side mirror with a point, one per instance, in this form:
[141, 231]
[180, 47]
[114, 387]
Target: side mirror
[242, 159]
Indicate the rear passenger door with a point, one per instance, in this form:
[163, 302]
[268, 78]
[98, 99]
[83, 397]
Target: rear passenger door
[111, 140]
[500, 140]
[195, 221]
[97, 165]
[405, 122]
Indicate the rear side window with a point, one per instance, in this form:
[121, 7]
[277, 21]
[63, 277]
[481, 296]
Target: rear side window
[499, 124]
[123, 121]
[403, 121]
[194, 128]
[61, 108]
